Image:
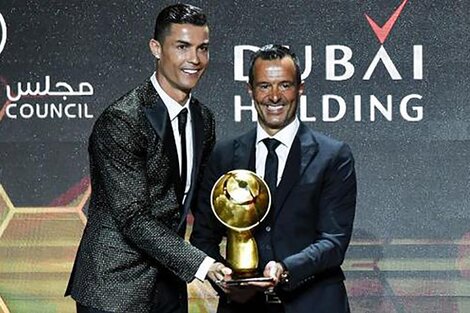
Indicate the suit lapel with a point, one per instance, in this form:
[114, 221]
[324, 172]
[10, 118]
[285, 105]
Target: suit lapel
[198, 137]
[156, 111]
[302, 152]
[157, 114]
[198, 143]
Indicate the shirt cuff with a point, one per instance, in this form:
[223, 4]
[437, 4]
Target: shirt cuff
[204, 268]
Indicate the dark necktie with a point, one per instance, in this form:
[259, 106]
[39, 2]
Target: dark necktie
[271, 165]
[182, 119]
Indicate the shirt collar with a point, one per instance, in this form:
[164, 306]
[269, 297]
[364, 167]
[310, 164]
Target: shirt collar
[173, 107]
[285, 136]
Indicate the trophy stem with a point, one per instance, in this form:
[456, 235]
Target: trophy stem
[242, 253]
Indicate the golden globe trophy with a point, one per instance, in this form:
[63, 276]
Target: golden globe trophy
[241, 200]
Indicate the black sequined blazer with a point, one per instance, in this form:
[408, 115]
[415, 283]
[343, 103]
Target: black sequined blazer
[132, 256]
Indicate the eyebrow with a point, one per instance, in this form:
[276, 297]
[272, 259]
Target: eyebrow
[281, 82]
[190, 44]
[183, 42]
[262, 83]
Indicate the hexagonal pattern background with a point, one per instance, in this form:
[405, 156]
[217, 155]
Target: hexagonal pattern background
[38, 246]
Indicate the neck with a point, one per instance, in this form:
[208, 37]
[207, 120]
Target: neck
[271, 132]
[180, 96]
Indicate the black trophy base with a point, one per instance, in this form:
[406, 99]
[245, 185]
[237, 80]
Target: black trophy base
[245, 281]
[244, 277]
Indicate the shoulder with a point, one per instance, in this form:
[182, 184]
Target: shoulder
[326, 144]
[243, 141]
[132, 102]
[127, 110]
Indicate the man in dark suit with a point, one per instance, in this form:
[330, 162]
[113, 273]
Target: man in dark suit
[303, 240]
[146, 151]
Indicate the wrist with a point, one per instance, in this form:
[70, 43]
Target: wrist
[284, 278]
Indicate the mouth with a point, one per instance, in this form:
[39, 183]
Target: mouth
[189, 71]
[274, 108]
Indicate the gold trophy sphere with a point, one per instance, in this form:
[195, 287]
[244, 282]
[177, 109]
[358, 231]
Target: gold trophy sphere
[240, 200]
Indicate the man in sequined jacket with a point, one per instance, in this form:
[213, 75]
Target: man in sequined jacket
[146, 153]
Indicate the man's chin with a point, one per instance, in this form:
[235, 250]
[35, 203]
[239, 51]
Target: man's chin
[273, 126]
[189, 85]
[276, 121]
[186, 88]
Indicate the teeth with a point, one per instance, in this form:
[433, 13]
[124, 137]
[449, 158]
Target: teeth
[190, 71]
[274, 108]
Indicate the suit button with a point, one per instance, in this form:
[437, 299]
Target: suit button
[268, 229]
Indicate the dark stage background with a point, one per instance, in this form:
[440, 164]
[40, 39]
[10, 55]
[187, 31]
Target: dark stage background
[411, 243]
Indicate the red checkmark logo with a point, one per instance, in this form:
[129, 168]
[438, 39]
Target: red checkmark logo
[382, 32]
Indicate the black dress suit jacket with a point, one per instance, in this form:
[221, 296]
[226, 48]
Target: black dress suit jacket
[310, 223]
[132, 256]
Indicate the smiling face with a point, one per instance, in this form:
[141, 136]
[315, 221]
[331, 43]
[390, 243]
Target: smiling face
[275, 92]
[182, 59]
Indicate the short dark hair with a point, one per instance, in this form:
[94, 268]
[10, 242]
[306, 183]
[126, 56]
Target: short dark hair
[273, 52]
[177, 14]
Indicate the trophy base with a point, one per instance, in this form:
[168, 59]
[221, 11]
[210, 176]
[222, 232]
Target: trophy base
[245, 281]
[244, 273]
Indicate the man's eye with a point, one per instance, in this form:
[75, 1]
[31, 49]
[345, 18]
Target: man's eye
[181, 47]
[204, 48]
[286, 85]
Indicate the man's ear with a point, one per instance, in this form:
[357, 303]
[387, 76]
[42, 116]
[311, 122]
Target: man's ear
[301, 88]
[249, 89]
[155, 48]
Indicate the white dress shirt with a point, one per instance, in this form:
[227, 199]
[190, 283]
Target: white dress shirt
[286, 136]
[174, 108]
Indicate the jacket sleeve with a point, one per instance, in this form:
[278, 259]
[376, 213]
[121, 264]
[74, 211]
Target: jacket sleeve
[335, 221]
[118, 160]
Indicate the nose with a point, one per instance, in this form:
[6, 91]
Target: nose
[194, 56]
[274, 95]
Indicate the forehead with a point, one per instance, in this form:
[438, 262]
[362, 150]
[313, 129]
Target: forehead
[188, 32]
[278, 69]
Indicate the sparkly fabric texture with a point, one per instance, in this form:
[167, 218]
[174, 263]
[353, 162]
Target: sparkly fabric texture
[132, 254]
